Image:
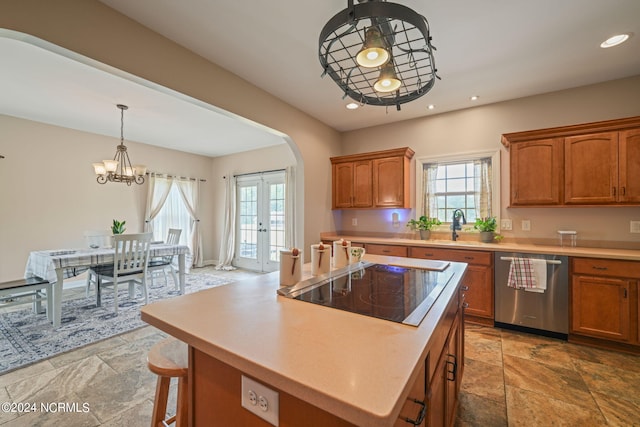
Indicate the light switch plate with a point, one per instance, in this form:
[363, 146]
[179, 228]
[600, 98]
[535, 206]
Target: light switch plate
[506, 225]
[525, 225]
[634, 227]
[260, 400]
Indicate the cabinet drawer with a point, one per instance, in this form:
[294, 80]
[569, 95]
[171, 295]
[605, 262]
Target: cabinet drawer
[456, 255]
[388, 250]
[606, 267]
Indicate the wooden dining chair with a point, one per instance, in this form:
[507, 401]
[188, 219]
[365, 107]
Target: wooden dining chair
[162, 265]
[95, 239]
[130, 265]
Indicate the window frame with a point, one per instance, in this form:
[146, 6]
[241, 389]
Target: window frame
[460, 157]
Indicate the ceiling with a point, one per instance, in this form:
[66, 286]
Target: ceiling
[495, 49]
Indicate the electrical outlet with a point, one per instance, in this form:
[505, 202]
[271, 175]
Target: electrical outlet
[506, 225]
[525, 225]
[354, 221]
[260, 400]
[634, 227]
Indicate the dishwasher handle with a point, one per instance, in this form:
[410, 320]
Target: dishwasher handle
[549, 261]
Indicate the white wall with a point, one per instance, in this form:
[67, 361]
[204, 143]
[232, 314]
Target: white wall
[49, 195]
[480, 129]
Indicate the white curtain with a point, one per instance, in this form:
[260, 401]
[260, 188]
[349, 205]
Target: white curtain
[189, 190]
[429, 184]
[159, 187]
[482, 171]
[290, 237]
[227, 243]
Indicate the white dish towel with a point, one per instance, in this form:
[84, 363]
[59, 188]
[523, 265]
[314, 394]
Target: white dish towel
[540, 271]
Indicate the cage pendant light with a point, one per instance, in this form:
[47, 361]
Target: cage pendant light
[355, 37]
[119, 169]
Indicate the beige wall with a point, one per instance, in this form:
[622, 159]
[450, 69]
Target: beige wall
[49, 195]
[480, 128]
[90, 28]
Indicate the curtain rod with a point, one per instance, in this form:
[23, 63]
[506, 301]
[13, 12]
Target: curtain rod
[256, 173]
[175, 176]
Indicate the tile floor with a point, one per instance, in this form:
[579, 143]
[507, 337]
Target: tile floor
[510, 379]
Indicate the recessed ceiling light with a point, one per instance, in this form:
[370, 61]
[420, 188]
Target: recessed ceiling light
[352, 106]
[431, 107]
[474, 98]
[615, 40]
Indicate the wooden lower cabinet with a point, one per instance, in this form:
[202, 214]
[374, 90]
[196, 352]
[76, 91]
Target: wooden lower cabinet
[601, 307]
[478, 278]
[604, 301]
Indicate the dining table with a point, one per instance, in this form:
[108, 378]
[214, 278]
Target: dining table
[59, 264]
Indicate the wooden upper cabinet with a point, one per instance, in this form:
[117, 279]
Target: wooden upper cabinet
[536, 172]
[591, 168]
[586, 164]
[391, 182]
[378, 179]
[629, 166]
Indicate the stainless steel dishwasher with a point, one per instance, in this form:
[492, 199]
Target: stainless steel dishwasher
[542, 313]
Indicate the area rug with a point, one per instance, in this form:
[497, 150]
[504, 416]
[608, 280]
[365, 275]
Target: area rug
[26, 337]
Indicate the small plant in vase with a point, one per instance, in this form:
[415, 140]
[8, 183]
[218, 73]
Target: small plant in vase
[424, 225]
[118, 227]
[487, 227]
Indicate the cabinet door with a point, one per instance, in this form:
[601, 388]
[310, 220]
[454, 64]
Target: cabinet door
[600, 307]
[629, 159]
[342, 185]
[591, 168]
[454, 378]
[362, 189]
[479, 296]
[389, 182]
[536, 172]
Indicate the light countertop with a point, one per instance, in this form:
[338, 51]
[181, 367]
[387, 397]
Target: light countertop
[357, 367]
[579, 251]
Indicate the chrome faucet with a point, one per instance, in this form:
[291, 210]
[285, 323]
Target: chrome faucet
[456, 223]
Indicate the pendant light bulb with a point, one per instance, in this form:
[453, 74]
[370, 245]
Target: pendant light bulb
[373, 53]
[388, 80]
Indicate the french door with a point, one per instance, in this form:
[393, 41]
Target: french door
[260, 221]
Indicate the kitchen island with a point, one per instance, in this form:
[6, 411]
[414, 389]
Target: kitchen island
[330, 367]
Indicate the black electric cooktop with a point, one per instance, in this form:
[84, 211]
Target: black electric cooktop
[398, 294]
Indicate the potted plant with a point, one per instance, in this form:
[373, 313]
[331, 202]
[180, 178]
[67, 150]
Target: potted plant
[118, 227]
[424, 225]
[487, 227]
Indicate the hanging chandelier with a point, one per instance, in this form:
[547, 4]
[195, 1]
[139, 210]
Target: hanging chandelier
[119, 169]
[378, 53]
